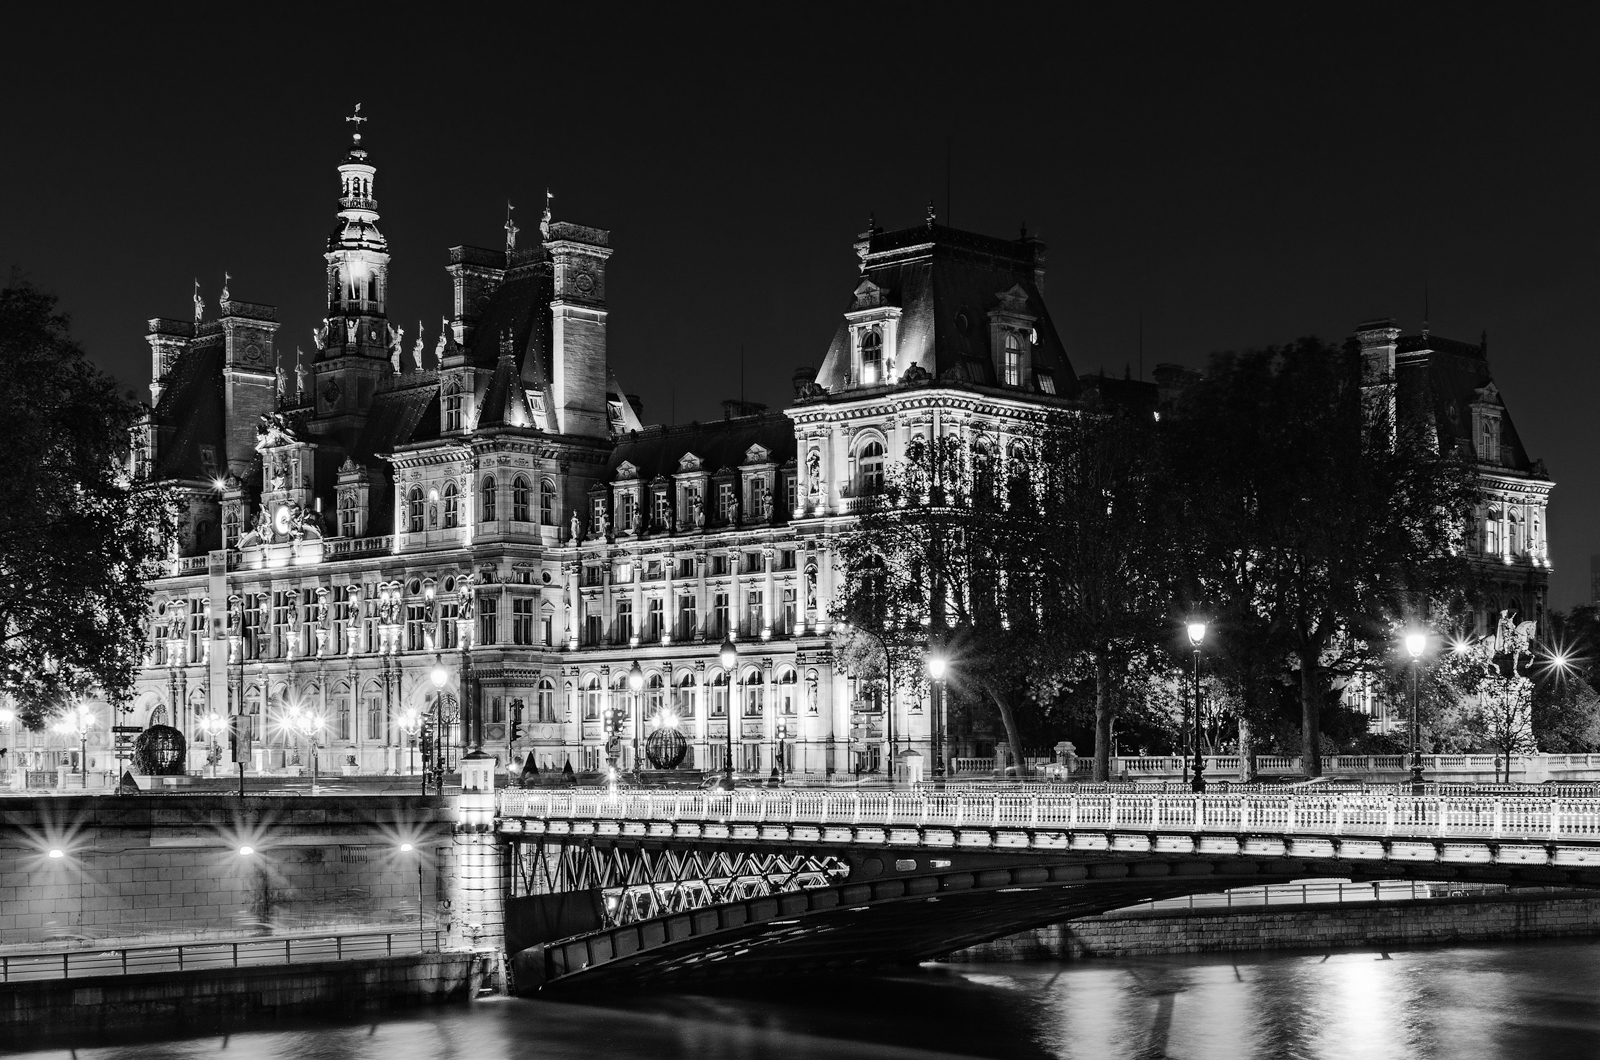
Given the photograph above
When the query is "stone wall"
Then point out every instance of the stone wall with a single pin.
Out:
(1364, 924)
(73, 1011)
(167, 867)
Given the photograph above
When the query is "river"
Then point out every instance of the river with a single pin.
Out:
(1537, 999)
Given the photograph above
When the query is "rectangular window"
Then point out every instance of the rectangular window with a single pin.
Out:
(725, 501)
(592, 574)
(497, 705)
(688, 620)
(755, 613)
(375, 719)
(593, 630)
(547, 623)
(786, 559)
(197, 629)
(343, 612)
(624, 573)
(663, 508)
(652, 571)
(547, 702)
(449, 628)
(415, 615)
(522, 620)
(719, 698)
(624, 621)
(282, 615)
(625, 512)
(791, 492)
(347, 515)
(254, 639)
(597, 514)
(653, 625)
(686, 568)
(488, 620)
(788, 611)
(719, 565)
(754, 563)
(720, 627)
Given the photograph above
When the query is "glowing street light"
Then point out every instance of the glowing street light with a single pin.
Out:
(1416, 643)
(1197, 634)
(246, 851)
(77, 722)
(635, 685)
(309, 724)
(57, 853)
(936, 670)
(410, 722)
(728, 655)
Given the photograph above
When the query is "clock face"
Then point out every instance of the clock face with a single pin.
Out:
(280, 519)
(584, 282)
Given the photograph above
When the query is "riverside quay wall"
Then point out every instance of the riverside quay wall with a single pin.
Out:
(75, 1011)
(1436, 921)
(178, 867)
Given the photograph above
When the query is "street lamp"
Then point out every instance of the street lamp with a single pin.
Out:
(635, 685)
(728, 654)
(1416, 643)
(7, 716)
(936, 669)
(77, 722)
(1197, 633)
(410, 848)
(411, 723)
(438, 677)
(307, 723)
(212, 725)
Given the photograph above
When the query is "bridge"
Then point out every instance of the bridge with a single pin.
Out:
(641, 887)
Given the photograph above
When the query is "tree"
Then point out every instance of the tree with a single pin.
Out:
(78, 539)
(1312, 517)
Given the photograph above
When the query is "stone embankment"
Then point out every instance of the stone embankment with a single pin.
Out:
(1437, 921)
(75, 1010)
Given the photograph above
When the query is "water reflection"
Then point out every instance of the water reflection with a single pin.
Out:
(1535, 999)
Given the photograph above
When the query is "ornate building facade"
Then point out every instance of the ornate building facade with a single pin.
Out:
(387, 533)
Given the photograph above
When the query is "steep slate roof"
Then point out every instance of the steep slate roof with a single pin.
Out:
(191, 406)
(719, 444)
(405, 409)
(938, 275)
(1440, 378)
(518, 310)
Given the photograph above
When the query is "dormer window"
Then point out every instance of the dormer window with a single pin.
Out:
(452, 406)
(1013, 360)
(871, 357)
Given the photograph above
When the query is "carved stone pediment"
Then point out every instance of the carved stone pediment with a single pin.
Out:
(1013, 299)
(868, 295)
(757, 454)
(627, 469)
(689, 462)
(1489, 395)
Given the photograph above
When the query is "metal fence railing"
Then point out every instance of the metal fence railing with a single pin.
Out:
(81, 963)
(1327, 814)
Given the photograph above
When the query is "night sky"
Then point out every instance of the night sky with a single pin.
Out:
(1232, 177)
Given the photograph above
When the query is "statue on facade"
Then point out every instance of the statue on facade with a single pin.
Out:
(420, 349)
(318, 338)
(199, 304)
(698, 512)
(300, 388)
(281, 381)
(600, 524)
(577, 529)
(320, 614)
(469, 599)
(811, 588)
(235, 615)
(814, 474)
(350, 332)
(397, 338)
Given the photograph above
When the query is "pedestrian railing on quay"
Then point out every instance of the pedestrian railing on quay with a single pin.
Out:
(1133, 766)
(1349, 814)
(82, 962)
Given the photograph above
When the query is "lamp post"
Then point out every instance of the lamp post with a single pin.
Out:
(1416, 644)
(307, 723)
(728, 655)
(213, 725)
(77, 722)
(438, 677)
(410, 724)
(1197, 633)
(936, 669)
(635, 686)
(410, 848)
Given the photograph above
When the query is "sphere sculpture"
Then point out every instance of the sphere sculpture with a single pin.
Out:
(160, 751)
(666, 748)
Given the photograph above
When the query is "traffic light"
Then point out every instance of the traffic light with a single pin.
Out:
(426, 739)
(516, 719)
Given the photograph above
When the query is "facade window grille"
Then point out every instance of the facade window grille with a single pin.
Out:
(452, 506)
(547, 503)
(522, 620)
(519, 500)
(486, 499)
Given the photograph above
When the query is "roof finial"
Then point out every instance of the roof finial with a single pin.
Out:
(930, 213)
(199, 303)
(358, 119)
(511, 232)
(226, 276)
(544, 222)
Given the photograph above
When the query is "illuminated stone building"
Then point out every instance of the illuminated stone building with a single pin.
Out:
(488, 510)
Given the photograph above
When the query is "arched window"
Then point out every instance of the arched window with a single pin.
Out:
(787, 689)
(341, 711)
(754, 693)
(547, 503)
(1013, 360)
(230, 527)
(486, 501)
(684, 700)
(519, 500)
(347, 513)
(718, 690)
(869, 468)
(451, 506)
(591, 698)
(871, 357)
(655, 696)
(547, 700)
(415, 507)
(452, 406)
(1021, 476)
(372, 288)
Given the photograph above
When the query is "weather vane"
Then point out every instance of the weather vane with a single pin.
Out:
(358, 119)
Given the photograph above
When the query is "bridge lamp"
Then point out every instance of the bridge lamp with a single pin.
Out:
(936, 667)
(936, 670)
(729, 656)
(635, 685)
(1416, 643)
(1197, 633)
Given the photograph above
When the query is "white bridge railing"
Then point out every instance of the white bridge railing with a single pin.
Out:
(1337, 815)
(1222, 766)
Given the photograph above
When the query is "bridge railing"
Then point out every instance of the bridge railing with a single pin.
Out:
(1353, 814)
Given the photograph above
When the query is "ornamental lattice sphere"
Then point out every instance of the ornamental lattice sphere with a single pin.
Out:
(159, 752)
(666, 748)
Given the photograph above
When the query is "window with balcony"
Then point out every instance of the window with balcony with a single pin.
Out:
(869, 468)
